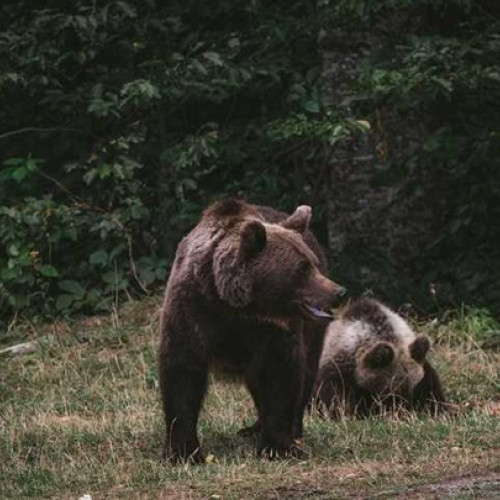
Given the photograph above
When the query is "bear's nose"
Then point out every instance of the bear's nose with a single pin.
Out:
(341, 291)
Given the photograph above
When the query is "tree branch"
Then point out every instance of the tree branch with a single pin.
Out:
(41, 130)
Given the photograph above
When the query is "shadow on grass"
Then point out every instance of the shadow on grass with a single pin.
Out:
(215, 444)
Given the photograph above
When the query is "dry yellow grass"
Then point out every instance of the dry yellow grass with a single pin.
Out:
(82, 415)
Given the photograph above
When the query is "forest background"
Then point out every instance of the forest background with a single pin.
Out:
(121, 120)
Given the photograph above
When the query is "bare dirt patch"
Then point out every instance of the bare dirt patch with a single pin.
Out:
(482, 486)
(465, 478)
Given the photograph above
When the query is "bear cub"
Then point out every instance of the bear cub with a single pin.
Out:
(373, 361)
(246, 293)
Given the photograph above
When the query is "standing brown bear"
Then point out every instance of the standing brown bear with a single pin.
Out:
(246, 292)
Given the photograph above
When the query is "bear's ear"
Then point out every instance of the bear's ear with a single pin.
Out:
(299, 220)
(253, 239)
(419, 348)
(379, 356)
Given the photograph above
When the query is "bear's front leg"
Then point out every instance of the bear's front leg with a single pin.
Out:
(279, 379)
(183, 382)
(312, 338)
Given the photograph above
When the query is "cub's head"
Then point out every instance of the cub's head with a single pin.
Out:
(269, 269)
(386, 370)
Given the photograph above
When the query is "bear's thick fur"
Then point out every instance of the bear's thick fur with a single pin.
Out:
(246, 293)
(371, 361)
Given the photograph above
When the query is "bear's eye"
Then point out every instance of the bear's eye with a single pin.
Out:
(303, 269)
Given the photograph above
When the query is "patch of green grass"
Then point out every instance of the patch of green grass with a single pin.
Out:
(467, 325)
(82, 415)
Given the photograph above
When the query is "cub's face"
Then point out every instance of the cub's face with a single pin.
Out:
(274, 271)
(384, 369)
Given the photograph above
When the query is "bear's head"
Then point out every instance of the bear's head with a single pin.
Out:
(269, 270)
(387, 371)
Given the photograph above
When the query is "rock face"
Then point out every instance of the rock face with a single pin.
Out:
(378, 225)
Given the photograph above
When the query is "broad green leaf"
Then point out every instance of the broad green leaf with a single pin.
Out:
(64, 301)
(49, 271)
(147, 276)
(20, 301)
(31, 164)
(13, 162)
(161, 273)
(92, 297)
(111, 277)
(213, 57)
(127, 8)
(9, 273)
(364, 124)
(99, 257)
(73, 287)
(19, 173)
(311, 106)
(446, 84)
(13, 250)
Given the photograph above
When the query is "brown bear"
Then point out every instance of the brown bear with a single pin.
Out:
(372, 361)
(244, 293)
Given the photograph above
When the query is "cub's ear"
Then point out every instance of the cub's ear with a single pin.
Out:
(419, 348)
(253, 239)
(299, 220)
(379, 356)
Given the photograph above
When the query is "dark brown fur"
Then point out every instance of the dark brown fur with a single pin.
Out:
(235, 298)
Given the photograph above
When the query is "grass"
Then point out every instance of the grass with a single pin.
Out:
(81, 415)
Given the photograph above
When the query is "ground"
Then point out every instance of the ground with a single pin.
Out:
(81, 415)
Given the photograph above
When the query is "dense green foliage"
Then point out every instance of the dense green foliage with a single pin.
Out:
(440, 70)
(120, 120)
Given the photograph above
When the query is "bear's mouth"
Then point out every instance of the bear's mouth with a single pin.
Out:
(314, 312)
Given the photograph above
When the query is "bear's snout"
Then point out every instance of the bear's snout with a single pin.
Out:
(329, 291)
(323, 295)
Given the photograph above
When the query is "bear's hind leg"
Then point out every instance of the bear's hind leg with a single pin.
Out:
(253, 386)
